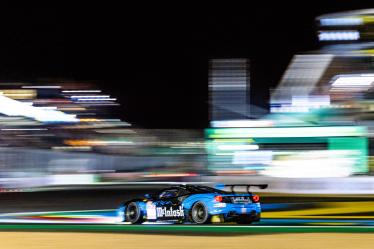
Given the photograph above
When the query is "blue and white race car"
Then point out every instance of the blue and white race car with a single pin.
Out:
(194, 203)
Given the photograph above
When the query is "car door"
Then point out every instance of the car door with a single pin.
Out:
(168, 205)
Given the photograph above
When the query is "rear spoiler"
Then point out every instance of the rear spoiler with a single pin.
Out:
(261, 186)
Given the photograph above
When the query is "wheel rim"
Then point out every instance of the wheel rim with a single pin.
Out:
(199, 213)
(132, 213)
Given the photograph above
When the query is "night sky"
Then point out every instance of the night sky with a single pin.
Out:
(155, 59)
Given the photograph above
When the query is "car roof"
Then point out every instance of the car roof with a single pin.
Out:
(194, 187)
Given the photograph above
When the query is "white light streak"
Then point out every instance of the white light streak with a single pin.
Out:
(98, 99)
(89, 96)
(238, 147)
(241, 123)
(42, 87)
(338, 35)
(81, 91)
(350, 81)
(11, 107)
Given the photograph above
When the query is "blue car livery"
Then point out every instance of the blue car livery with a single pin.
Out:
(194, 203)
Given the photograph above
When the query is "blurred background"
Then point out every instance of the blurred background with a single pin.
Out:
(315, 123)
(276, 96)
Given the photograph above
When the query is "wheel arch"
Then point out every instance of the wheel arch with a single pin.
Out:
(190, 201)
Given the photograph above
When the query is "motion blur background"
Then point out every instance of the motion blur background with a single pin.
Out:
(101, 104)
(100, 99)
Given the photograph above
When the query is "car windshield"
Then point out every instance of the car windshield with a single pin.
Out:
(169, 193)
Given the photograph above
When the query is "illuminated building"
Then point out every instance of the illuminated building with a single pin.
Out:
(229, 84)
(322, 97)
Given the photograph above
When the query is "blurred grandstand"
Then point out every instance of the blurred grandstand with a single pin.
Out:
(58, 134)
(320, 122)
(319, 129)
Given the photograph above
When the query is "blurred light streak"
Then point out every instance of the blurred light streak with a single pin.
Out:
(72, 108)
(89, 120)
(327, 167)
(353, 81)
(89, 96)
(338, 35)
(238, 147)
(169, 175)
(338, 131)
(348, 21)
(97, 99)
(81, 91)
(24, 129)
(95, 142)
(42, 87)
(241, 123)
(12, 107)
(116, 131)
(68, 148)
(18, 93)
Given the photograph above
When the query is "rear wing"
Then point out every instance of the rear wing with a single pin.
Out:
(232, 186)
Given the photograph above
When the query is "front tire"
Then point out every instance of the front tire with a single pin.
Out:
(199, 213)
(133, 213)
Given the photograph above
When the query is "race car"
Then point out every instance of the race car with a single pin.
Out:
(195, 204)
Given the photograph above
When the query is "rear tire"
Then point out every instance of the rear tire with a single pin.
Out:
(133, 213)
(199, 213)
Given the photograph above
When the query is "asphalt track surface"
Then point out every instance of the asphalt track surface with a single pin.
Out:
(94, 211)
(87, 219)
(110, 197)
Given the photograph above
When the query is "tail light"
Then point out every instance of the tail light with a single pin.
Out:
(218, 198)
(255, 198)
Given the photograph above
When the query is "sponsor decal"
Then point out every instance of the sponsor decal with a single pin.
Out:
(240, 199)
(221, 204)
(151, 210)
(170, 212)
